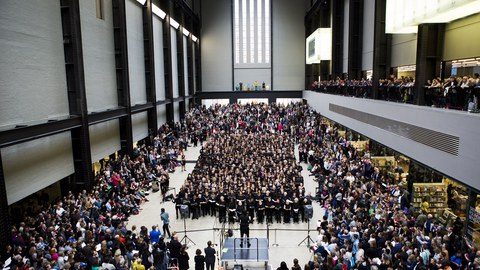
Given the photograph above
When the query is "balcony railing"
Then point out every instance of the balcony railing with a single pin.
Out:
(456, 98)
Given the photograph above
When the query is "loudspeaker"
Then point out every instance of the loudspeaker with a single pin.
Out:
(184, 212)
(308, 210)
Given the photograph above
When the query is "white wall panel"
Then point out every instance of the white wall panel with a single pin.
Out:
(346, 28)
(136, 61)
(367, 36)
(176, 112)
(404, 50)
(173, 46)
(98, 56)
(32, 63)
(161, 115)
(463, 167)
(139, 126)
(159, 58)
(216, 50)
(194, 69)
(288, 33)
(34, 165)
(185, 65)
(104, 139)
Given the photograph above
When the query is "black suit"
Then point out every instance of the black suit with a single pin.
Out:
(210, 257)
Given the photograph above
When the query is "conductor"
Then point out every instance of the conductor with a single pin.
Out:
(245, 228)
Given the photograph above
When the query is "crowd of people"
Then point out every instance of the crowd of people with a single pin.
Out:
(88, 230)
(248, 166)
(453, 92)
(369, 222)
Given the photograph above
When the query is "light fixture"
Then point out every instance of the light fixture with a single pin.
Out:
(467, 60)
(174, 23)
(185, 32)
(406, 68)
(404, 16)
(142, 2)
(159, 12)
(194, 38)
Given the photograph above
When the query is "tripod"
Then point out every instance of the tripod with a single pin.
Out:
(307, 239)
(185, 237)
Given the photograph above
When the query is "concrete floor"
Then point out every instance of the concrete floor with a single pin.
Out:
(208, 228)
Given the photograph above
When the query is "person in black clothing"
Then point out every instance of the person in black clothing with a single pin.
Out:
(245, 228)
(199, 260)
(158, 257)
(222, 210)
(178, 202)
(287, 209)
(210, 256)
(269, 209)
(174, 247)
(183, 258)
(260, 211)
(195, 207)
(232, 208)
(203, 204)
(295, 211)
(278, 210)
(251, 205)
(212, 205)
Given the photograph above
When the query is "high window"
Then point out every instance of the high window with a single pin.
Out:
(251, 32)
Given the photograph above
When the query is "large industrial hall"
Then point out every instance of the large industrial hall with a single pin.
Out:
(239, 135)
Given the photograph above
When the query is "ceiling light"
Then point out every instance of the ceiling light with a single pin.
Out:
(185, 32)
(142, 2)
(174, 23)
(159, 12)
(404, 16)
(194, 38)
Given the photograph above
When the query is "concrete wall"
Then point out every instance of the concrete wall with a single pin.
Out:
(139, 126)
(161, 115)
(32, 66)
(104, 139)
(176, 112)
(34, 165)
(216, 49)
(159, 58)
(287, 50)
(404, 50)
(463, 167)
(173, 46)
(288, 45)
(346, 28)
(462, 39)
(98, 57)
(368, 30)
(136, 61)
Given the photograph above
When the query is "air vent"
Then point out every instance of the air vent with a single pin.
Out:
(438, 140)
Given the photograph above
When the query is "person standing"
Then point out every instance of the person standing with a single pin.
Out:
(199, 260)
(166, 222)
(183, 259)
(210, 256)
(175, 247)
(245, 228)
